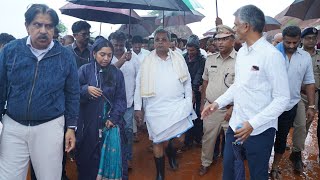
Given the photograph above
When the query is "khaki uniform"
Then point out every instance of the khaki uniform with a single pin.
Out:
(300, 124)
(220, 75)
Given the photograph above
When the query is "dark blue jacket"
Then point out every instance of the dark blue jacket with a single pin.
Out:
(90, 119)
(39, 91)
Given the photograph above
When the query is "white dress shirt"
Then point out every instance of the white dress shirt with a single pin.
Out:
(300, 72)
(39, 53)
(143, 53)
(260, 92)
(129, 70)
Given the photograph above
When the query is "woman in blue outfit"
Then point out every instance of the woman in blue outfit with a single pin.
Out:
(100, 81)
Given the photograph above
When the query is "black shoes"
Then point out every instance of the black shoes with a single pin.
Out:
(296, 159)
(160, 167)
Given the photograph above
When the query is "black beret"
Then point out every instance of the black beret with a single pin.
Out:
(308, 31)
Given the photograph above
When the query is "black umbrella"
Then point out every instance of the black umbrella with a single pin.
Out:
(170, 5)
(304, 9)
(100, 14)
(176, 18)
(271, 24)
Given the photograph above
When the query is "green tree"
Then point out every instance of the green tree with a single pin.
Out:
(62, 28)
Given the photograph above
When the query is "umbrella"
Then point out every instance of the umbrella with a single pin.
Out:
(144, 28)
(100, 14)
(210, 32)
(170, 5)
(271, 24)
(304, 9)
(135, 30)
(175, 18)
(192, 4)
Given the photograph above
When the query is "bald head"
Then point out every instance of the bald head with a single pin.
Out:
(277, 39)
(67, 39)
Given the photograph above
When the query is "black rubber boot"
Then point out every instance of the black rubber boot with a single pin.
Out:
(295, 158)
(160, 167)
(172, 153)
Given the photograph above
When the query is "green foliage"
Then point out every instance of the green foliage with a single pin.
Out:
(62, 28)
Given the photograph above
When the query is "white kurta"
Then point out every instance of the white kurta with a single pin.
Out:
(169, 113)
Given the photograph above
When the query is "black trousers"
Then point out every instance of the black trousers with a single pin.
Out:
(196, 132)
(285, 122)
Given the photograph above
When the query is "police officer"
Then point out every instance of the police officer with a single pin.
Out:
(217, 77)
(301, 124)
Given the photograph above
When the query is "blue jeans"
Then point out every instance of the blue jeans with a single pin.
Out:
(128, 129)
(258, 151)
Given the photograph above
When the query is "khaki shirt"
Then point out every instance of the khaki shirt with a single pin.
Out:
(219, 73)
(316, 67)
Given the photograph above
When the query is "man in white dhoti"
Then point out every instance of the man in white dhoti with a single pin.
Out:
(164, 86)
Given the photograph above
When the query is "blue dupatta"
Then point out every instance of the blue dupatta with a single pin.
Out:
(110, 166)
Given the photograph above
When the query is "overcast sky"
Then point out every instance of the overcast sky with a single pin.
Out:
(12, 14)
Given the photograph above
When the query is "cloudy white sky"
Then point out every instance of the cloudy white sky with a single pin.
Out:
(12, 14)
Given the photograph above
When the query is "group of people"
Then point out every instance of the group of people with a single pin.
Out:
(60, 96)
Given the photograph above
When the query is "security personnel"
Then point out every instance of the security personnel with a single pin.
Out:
(217, 77)
(301, 125)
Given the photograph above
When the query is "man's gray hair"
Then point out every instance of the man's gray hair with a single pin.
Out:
(163, 31)
(253, 16)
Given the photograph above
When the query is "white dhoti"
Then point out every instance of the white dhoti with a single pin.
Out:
(169, 113)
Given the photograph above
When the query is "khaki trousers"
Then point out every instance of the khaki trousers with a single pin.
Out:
(211, 130)
(42, 144)
(301, 124)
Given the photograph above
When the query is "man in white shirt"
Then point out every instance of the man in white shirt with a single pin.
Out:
(174, 43)
(260, 94)
(137, 43)
(137, 48)
(299, 68)
(129, 65)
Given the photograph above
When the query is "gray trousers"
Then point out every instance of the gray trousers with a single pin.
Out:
(301, 124)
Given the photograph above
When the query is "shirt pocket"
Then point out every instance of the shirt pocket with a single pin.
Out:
(212, 72)
(255, 81)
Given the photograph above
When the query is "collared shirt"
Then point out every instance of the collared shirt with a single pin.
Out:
(260, 92)
(81, 57)
(129, 70)
(143, 53)
(299, 72)
(39, 53)
(219, 73)
(316, 67)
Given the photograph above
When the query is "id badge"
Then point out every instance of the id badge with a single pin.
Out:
(100, 133)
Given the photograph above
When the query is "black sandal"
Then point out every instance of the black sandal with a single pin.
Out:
(275, 174)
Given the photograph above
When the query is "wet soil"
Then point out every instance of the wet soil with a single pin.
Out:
(189, 161)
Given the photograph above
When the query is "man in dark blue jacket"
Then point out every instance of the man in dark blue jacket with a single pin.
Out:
(39, 81)
(196, 62)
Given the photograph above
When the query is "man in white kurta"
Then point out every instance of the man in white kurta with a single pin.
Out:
(163, 85)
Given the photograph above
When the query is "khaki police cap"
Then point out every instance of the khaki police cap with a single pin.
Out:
(224, 31)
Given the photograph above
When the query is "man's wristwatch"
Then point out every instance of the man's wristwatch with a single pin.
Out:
(312, 107)
(72, 127)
